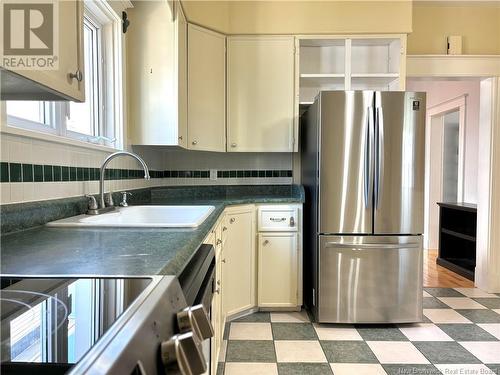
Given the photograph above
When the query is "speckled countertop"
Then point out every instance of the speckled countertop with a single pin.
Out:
(123, 251)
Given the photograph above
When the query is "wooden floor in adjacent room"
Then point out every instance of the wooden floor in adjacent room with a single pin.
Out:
(439, 277)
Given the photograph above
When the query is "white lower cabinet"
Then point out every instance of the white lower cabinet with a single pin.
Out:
(236, 271)
(217, 317)
(278, 270)
(239, 263)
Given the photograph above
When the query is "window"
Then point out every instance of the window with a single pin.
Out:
(96, 120)
(84, 117)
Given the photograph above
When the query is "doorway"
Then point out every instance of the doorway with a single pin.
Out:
(452, 129)
(451, 146)
(445, 150)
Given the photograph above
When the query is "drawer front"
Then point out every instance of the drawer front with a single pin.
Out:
(274, 219)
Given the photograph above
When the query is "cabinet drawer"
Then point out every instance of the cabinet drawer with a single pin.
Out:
(275, 218)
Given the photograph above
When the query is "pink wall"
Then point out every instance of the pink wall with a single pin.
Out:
(441, 91)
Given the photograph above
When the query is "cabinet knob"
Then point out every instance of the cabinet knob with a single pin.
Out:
(218, 242)
(232, 220)
(180, 137)
(78, 75)
(223, 260)
(224, 229)
(292, 221)
(218, 282)
(217, 290)
(184, 350)
(194, 143)
(266, 242)
(233, 145)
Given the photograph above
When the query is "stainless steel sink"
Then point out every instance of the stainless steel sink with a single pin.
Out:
(142, 216)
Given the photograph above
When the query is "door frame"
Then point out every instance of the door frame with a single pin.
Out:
(438, 112)
(486, 67)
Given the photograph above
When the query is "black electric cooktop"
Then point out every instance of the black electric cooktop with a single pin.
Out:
(57, 320)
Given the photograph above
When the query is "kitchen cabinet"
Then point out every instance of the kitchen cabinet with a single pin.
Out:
(157, 74)
(278, 270)
(217, 317)
(354, 62)
(64, 83)
(239, 261)
(206, 89)
(279, 256)
(260, 94)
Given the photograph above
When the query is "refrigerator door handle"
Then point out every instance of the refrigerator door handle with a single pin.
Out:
(362, 246)
(367, 165)
(379, 154)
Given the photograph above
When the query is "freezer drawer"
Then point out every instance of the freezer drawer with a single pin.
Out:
(370, 279)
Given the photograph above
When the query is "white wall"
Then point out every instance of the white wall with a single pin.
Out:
(182, 159)
(443, 90)
(26, 150)
(487, 274)
(18, 149)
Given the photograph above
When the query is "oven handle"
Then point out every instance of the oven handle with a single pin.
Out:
(205, 295)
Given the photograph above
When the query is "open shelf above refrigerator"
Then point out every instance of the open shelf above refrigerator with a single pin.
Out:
(349, 63)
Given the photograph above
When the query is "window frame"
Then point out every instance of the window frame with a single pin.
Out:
(98, 77)
(109, 79)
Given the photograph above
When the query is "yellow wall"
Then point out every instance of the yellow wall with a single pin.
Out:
(478, 24)
(311, 17)
(301, 17)
(212, 14)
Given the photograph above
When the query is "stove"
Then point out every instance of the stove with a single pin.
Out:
(123, 325)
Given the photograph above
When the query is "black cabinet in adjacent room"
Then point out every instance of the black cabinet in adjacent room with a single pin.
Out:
(457, 238)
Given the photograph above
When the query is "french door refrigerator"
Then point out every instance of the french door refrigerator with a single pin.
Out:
(363, 173)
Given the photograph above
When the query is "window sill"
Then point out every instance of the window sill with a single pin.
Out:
(55, 139)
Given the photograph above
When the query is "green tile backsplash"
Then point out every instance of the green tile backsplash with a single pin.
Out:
(28, 172)
(38, 173)
(48, 173)
(4, 167)
(16, 172)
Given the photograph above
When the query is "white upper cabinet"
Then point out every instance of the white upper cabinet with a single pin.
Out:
(206, 90)
(157, 73)
(375, 62)
(64, 83)
(260, 94)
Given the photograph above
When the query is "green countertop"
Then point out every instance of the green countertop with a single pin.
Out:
(124, 251)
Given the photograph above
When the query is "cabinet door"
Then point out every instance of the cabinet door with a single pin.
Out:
(180, 76)
(157, 74)
(260, 115)
(278, 271)
(206, 89)
(238, 267)
(70, 59)
(216, 315)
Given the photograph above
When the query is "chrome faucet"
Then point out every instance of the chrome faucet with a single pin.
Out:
(103, 168)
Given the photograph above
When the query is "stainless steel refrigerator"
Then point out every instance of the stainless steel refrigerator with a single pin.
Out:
(363, 173)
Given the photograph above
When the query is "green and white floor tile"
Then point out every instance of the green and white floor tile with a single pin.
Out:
(460, 335)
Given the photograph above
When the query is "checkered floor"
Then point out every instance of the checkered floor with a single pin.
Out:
(460, 335)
